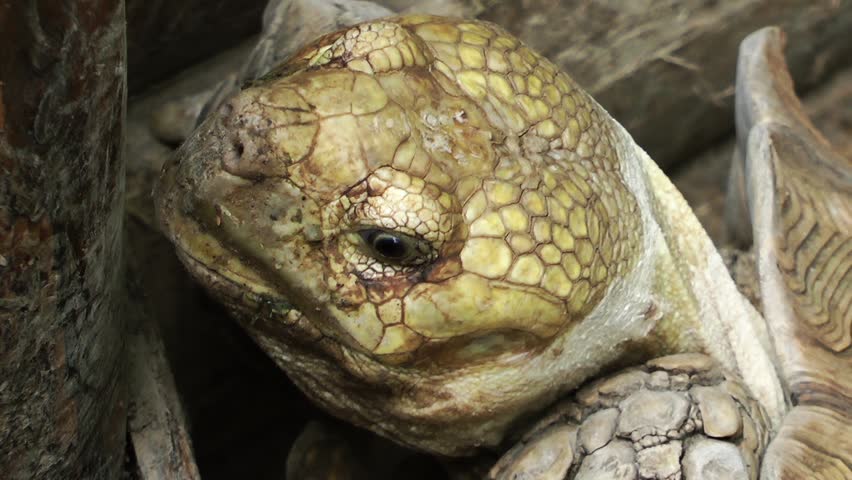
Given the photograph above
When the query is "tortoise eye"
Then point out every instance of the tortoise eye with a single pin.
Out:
(388, 245)
(394, 247)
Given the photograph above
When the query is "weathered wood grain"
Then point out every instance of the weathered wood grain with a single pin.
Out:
(62, 105)
(157, 425)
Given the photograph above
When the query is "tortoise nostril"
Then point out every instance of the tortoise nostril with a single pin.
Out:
(227, 109)
(233, 156)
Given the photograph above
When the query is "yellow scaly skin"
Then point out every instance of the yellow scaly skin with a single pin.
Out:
(536, 244)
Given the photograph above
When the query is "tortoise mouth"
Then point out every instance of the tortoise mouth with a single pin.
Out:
(230, 287)
(503, 346)
(249, 296)
(250, 289)
(347, 381)
(207, 259)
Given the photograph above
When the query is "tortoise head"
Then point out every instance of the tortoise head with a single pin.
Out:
(411, 217)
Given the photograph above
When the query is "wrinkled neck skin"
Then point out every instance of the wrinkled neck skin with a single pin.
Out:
(701, 307)
(678, 298)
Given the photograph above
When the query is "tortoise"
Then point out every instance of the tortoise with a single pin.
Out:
(442, 238)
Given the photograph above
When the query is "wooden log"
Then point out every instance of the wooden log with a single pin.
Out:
(158, 427)
(62, 104)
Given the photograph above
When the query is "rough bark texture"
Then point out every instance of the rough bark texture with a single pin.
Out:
(62, 98)
(665, 68)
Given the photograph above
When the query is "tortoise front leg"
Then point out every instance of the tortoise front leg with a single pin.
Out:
(673, 417)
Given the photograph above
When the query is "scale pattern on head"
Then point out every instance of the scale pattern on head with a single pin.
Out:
(459, 197)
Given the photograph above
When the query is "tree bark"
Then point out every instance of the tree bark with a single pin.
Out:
(62, 105)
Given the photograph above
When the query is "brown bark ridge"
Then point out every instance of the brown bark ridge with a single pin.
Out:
(62, 105)
(665, 68)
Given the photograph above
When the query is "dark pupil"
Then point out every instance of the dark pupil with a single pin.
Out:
(389, 246)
